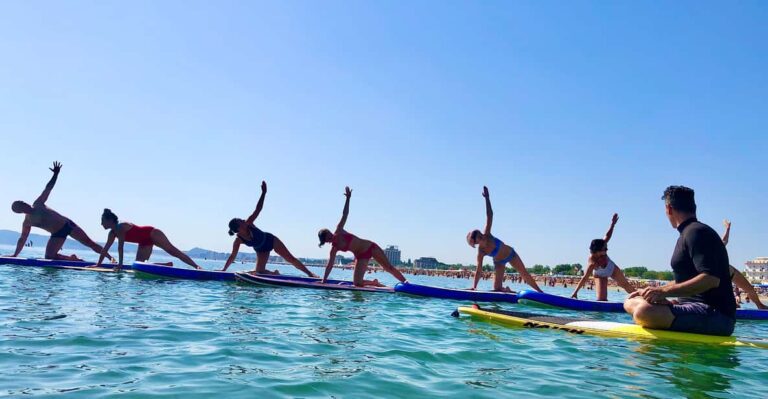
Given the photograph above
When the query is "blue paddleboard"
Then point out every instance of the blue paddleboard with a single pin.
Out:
(279, 281)
(182, 273)
(456, 294)
(569, 303)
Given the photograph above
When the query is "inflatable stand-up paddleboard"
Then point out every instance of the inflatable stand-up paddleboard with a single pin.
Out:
(751, 314)
(527, 296)
(202, 275)
(600, 328)
(60, 264)
(338, 285)
(530, 296)
(456, 294)
(182, 272)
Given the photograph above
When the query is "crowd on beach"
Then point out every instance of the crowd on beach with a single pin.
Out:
(702, 299)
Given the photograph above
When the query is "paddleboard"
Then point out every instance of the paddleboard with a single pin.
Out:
(456, 294)
(182, 272)
(751, 314)
(530, 296)
(60, 264)
(569, 303)
(339, 285)
(600, 328)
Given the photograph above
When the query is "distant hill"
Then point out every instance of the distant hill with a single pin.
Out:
(202, 253)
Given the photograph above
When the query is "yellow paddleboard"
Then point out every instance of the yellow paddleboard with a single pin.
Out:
(600, 328)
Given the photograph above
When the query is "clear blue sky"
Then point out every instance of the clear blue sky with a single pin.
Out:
(171, 113)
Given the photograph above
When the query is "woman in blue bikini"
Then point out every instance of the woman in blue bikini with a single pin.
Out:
(488, 245)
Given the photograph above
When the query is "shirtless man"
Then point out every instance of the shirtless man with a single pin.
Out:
(41, 216)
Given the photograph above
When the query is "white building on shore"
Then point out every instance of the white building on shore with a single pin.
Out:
(757, 270)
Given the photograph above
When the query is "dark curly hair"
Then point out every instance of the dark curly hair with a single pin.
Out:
(109, 215)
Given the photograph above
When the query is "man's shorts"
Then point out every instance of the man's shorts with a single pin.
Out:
(699, 318)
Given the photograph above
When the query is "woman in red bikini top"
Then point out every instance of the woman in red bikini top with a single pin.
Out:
(146, 236)
(364, 250)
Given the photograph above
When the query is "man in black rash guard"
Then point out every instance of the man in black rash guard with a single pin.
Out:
(705, 303)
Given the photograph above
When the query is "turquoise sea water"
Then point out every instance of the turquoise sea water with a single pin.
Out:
(90, 335)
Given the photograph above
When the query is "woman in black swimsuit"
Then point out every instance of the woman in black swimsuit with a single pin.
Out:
(263, 243)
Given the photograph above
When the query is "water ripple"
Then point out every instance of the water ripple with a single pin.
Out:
(96, 335)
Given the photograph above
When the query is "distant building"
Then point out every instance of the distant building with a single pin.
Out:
(757, 270)
(425, 263)
(393, 255)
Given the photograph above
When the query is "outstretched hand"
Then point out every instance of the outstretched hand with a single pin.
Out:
(485, 192)
(347, 192)
(615, 218)
(727, 223)
(263, 186)
(56, 167)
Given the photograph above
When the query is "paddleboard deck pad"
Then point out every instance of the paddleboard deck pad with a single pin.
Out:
(281, 281)
(528, 296)
(599, 328)
(456, 294)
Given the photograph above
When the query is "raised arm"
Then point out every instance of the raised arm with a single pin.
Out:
(488, 212)
(25, 229)
(609, 233)
(233, 255)
(331, 260)
(259, 205)
(48, 187)
(727, 234)
(345, 212)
